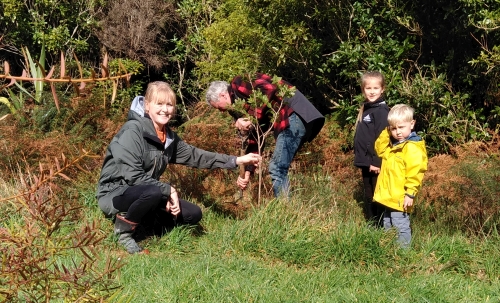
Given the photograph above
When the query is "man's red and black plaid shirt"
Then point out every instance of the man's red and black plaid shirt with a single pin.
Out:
(243, 89)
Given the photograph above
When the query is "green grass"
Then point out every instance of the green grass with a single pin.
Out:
(302, 251)
(232, 263)
(313, 248)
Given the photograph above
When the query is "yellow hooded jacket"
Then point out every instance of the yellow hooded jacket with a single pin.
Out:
(402, 171)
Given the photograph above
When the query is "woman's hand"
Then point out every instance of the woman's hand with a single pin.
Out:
(249, 159)
(173, 205)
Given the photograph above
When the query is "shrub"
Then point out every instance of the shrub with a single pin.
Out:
(46, 255)
(461, 193)
(138, 29)
(444, 118)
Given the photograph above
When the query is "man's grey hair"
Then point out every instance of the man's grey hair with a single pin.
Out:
(215, 89)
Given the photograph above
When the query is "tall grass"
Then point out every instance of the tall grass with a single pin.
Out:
(310, 249)
(272, 257)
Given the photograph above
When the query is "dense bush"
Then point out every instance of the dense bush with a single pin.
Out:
(449, 47)
(391, 36)
(59, 25)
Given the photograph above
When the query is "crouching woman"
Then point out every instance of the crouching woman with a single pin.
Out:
(129, 188)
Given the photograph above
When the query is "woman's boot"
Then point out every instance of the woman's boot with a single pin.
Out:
(124, 230)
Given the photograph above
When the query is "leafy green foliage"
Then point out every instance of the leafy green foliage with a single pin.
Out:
(184, 48)
(444, 118)
(124, 92)
(59, 25)
(322, 47)
(379, 42)
(234, 45)
(485, 17)
(325, 57)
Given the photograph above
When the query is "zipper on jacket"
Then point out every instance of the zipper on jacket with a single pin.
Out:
(163, 155)
(153, 170)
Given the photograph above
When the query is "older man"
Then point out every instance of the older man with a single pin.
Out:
(298, 122)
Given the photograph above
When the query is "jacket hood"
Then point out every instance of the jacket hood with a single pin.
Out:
(137, 106)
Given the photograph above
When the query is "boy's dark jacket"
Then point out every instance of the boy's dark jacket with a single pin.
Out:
(373, 121)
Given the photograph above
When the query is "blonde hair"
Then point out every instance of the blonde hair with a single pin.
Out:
(366, 75)
(160, 92)
(400, 113)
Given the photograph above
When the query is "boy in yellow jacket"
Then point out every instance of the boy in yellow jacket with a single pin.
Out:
(404, 161)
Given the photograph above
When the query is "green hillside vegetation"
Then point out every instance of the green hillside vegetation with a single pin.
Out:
(441, 57)
(314, 248)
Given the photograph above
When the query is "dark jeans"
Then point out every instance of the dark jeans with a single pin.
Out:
(140, 202)
(287, 144)
(373, 211)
